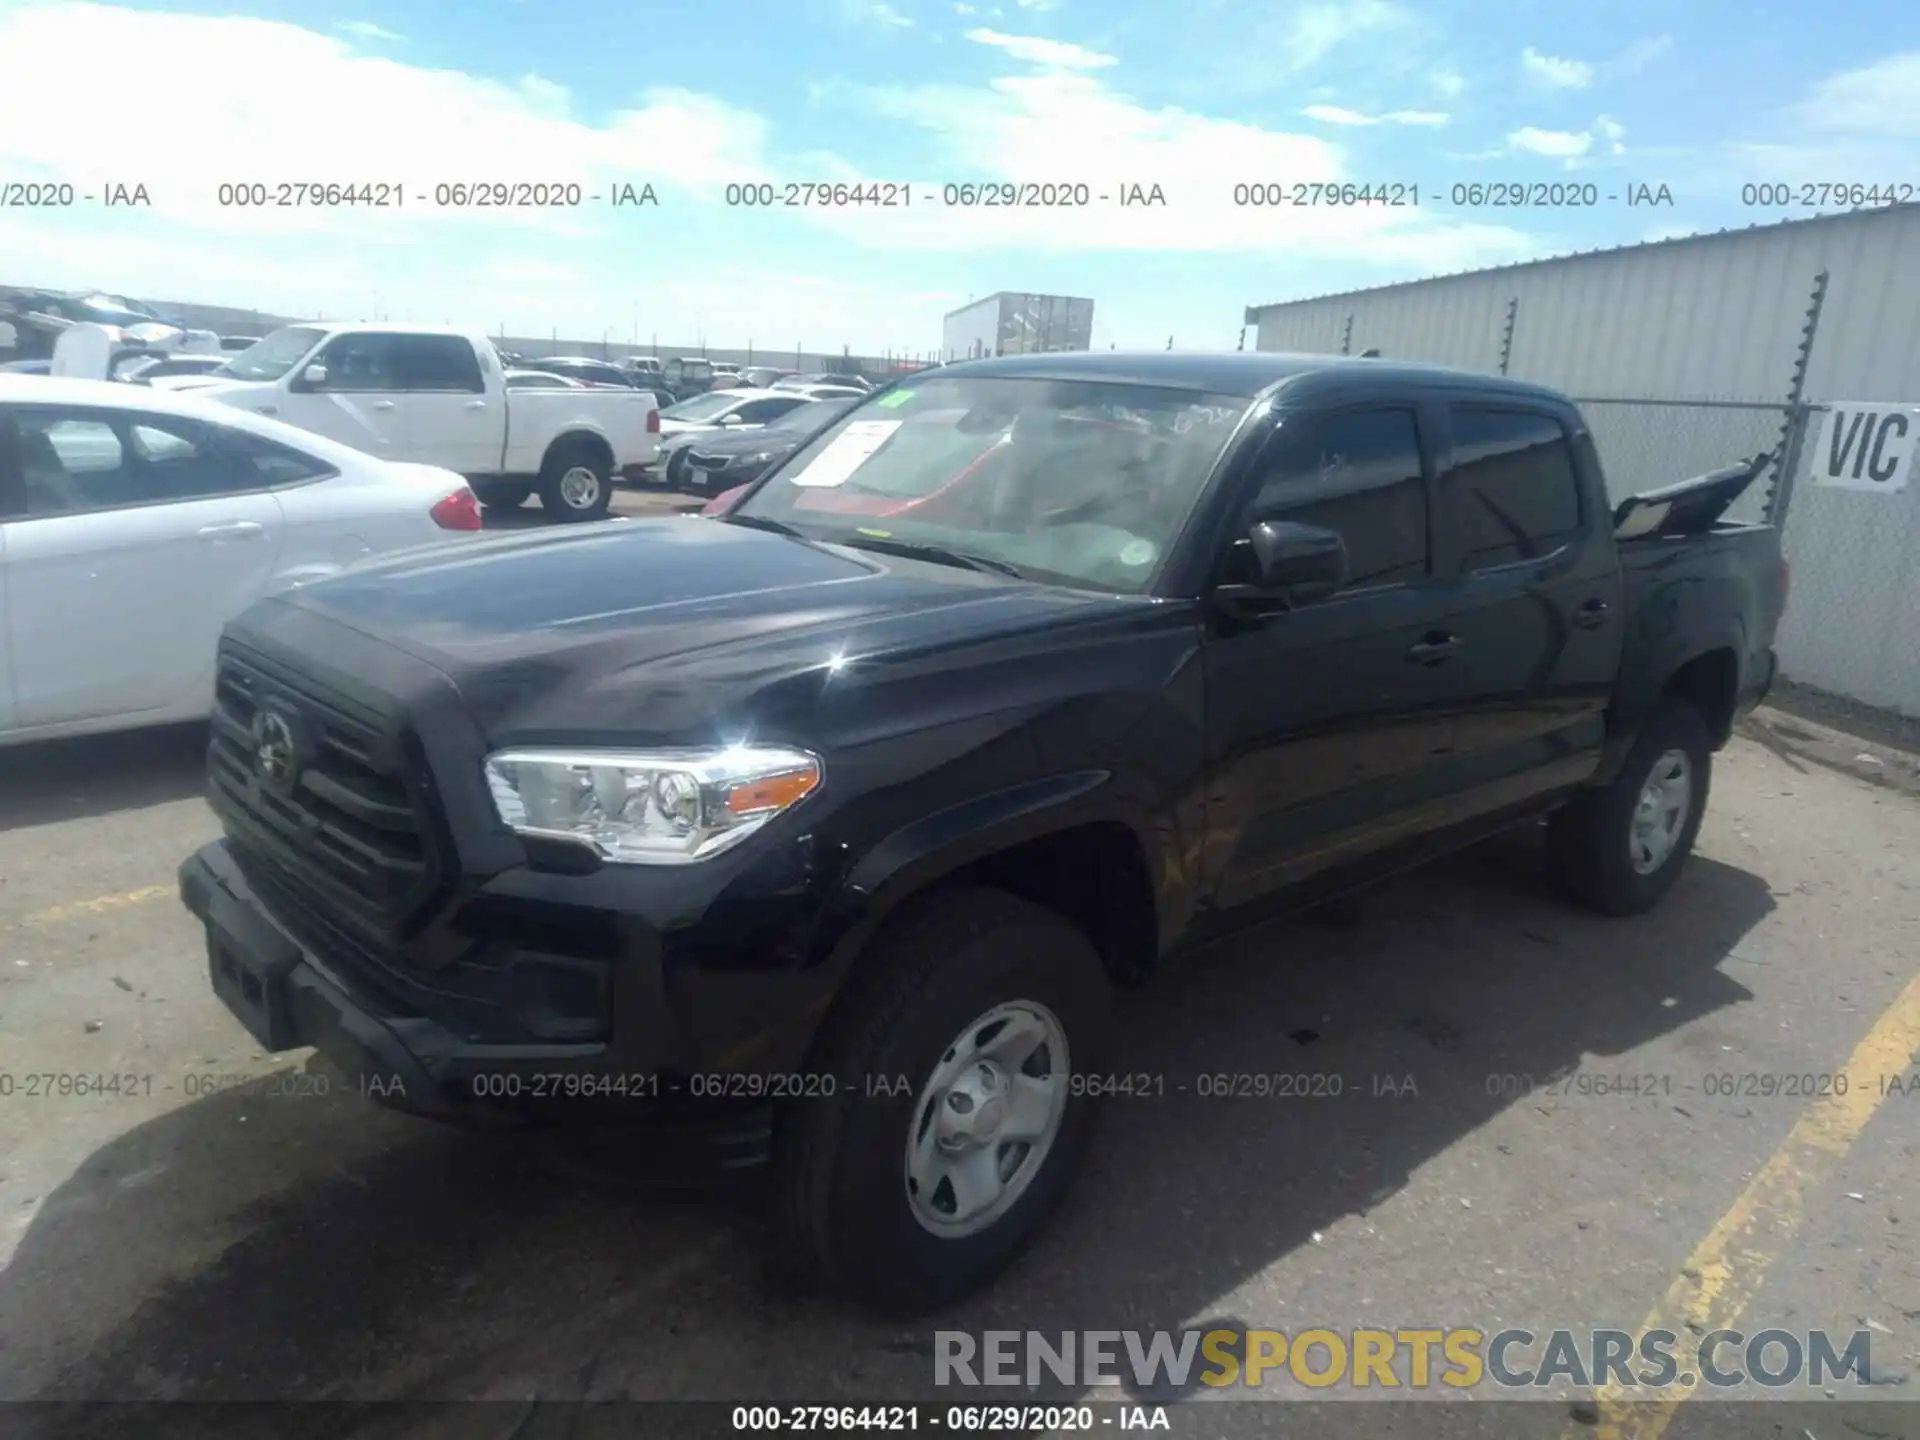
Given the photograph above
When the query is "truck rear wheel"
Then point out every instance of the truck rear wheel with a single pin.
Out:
(953, 1128)
(1620, 848)
(576, 483)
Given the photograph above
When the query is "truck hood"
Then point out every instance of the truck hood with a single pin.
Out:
(676, 630)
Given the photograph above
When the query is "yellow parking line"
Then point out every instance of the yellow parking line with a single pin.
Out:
(100, 905)
(1725, 1270)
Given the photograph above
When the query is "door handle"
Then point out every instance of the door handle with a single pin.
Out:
(234, 530)
(266, 409)
(1592, 615)
(383, 405)
(1436, 649)
(476, 404)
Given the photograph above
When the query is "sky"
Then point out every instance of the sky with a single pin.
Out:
(1214, 102)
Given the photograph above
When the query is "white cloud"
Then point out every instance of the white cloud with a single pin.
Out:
(1605, 136)
(1556, 144)
(1340, 115)
(410, 125)
(1317, 29)
(1881, 99)
(962, 8)
(873, 12)
(1449, 83)
(367, 30)
(1554, 72)
(1036, 4)
(1055, 54)
(1071, 127)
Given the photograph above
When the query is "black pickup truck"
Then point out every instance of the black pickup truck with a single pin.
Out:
(825, 829)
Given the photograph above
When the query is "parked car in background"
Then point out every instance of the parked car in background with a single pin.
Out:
(588, 371)
(710, 462)
(134, 524)
(145, 369)
(647, 366)
(764, 377)
(725, 410)
(726, 368)
(687, 376)
(830, 392)
(803, 382)
(238, 342)
(438, 396)
(542, 380)
(1148, 650)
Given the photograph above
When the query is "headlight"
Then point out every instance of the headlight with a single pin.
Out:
(649, 807)
(740, 462)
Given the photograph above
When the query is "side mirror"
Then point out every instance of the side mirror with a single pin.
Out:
(1294, 565)
(731, 420)
(314, 375)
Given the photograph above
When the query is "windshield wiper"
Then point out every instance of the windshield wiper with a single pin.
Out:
(761, 522)
(938, 554)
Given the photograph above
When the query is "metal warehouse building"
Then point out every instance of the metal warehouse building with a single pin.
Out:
(1690, 353)
(1010, 323)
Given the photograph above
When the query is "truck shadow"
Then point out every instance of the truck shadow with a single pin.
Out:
(48, 781)
(347, 1253)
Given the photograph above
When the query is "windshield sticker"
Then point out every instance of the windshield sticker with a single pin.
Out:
(895, 400)
(847, 452)
(1136, 553)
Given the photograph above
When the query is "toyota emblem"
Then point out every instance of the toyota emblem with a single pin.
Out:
(274, 753)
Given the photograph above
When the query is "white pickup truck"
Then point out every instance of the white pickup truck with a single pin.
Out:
(438, 396)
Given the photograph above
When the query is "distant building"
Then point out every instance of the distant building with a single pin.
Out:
(1010, 323)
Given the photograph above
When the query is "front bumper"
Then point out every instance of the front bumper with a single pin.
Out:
(289, 996)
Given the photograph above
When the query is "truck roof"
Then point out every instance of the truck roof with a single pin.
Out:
(1232, 372)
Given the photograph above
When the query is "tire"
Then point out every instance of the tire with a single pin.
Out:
(502, 496)
(845, 1220)
(1593, 852)
(576, 483)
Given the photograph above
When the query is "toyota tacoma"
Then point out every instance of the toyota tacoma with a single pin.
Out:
(824, 830)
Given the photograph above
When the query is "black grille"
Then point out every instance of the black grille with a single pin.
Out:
(351, 826)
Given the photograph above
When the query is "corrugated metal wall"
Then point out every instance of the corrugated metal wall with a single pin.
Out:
(1715, 318)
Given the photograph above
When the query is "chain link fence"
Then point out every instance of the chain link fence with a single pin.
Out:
(1645, 444)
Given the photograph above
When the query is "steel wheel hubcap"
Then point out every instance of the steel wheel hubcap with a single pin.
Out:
(580, 487)
(1661, 813)
(986, 1119)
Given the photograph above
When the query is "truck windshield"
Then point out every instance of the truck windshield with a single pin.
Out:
(274, 356)
(1082, 483)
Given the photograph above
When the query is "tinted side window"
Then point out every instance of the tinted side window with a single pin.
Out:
(759, 412)
(273, 464)
(1357, 474)
(1512, 486)
(438, 362)
(103, 460)
(361, 362)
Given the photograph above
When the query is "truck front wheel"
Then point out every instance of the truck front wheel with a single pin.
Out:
(953, 1126)
(576, 483)
(1619, 848)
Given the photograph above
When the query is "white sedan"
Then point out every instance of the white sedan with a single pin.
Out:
(134, 523)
